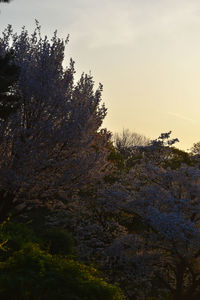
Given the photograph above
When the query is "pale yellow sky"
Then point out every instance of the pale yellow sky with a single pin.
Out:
(146, 53)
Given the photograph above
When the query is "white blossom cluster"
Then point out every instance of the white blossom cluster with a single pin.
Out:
(144, 231)
(53, 143)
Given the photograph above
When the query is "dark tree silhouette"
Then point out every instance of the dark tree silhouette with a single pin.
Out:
(9, 98)
(55, 132)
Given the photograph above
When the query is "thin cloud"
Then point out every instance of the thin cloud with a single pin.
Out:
(179, 116)
(123, 22)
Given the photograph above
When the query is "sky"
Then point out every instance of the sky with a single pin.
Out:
(146, 53)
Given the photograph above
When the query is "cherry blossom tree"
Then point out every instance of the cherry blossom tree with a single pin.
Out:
(160, 209)
(53, 144)
(144, 230)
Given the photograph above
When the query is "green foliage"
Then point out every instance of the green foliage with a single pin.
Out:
(58, 241)
(117, 158)
(177, 158)
(16, 236)
(29, 273)
(122, 163)
(195, 150)
(35, 219)
(119, 166)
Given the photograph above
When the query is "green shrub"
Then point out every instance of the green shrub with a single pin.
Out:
(58, 241)
(13, 236)
(28, 272)
(33, 274)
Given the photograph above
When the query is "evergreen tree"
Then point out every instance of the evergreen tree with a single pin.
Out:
(9, 98)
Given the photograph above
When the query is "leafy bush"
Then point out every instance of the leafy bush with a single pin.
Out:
(13, 236)
(29, 273)
(58, 241)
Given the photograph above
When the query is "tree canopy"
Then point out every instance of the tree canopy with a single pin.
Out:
(53, 142)
(130, 207)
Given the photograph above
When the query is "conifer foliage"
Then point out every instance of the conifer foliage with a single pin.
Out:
(9, 98)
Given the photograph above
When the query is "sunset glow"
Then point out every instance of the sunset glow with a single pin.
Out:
(145, 53)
